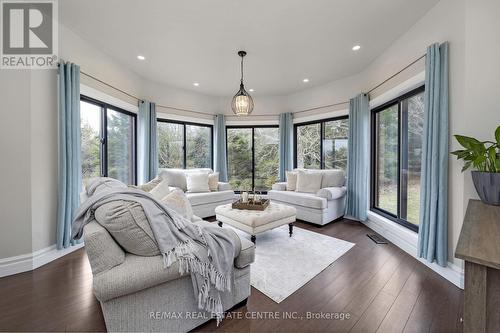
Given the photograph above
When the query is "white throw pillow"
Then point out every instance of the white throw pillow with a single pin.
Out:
(308, 182)
(175, 178)
(291, 180)
(197, 182)
(160, 190)
(213, 181)
(333, 178)
(178, 201)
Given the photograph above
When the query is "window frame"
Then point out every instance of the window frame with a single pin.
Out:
(252, 127)
(402, 191)
(184, 139)
(103, 140)
(321, 123)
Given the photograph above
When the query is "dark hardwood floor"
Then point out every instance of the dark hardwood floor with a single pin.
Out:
(381, 288)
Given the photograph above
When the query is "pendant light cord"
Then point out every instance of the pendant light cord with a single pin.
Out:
(241, 70)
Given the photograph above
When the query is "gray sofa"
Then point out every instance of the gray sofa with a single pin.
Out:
(138, 294)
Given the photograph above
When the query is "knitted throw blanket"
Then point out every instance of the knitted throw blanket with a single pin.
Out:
(178, 239)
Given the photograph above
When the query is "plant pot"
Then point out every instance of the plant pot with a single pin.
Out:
(487, 186)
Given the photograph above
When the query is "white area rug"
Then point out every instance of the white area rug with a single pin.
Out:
(283, 264)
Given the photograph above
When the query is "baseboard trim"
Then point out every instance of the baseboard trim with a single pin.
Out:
(30, 261)
(407, 241)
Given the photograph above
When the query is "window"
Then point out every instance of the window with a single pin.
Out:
(108, 143)
(322, 144)
(397, 129)
(252, 157)
(184, 145)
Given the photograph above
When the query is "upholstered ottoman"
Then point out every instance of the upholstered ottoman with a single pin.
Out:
(255, 222)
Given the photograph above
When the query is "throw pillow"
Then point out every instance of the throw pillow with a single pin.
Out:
(308, 182)
(160, 190)
(129, 226)
(333, 178)
(291, 180)
(197, 182)
(178, 201)
(175, 178)
(149, 185)
(213, 181)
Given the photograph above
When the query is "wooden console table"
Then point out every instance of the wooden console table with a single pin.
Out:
(479, 246)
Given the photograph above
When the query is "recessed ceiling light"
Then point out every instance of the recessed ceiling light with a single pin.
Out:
(251, 90)
(141, 57)
(196, 84)
(356, 47)
(305, 80)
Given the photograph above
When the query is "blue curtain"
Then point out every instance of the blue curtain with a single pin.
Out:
(286, 144)
(69, 159)
(433, 228)
(147, 145)
(220, 164)
(358, 158)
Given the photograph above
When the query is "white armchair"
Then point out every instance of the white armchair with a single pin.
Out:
(322, 207)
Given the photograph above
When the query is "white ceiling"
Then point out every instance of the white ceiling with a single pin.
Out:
(186, 41)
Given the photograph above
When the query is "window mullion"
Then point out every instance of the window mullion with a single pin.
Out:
(404, 161)
(104, 141)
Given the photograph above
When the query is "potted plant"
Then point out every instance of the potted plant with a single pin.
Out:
(484, 156)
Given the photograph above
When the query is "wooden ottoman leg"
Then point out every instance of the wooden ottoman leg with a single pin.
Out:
(252, 239)
(290, 228)
(220, 224)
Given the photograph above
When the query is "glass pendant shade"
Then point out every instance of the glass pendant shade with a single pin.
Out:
(242, 103)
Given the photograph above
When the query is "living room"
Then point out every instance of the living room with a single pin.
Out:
(250, 166)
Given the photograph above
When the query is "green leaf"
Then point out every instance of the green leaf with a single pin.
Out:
(466, 166)
(497, 135)
(467, 141)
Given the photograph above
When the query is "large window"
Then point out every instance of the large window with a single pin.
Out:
(184, 145)
(252, 157)
(396, 156)
(108, 143)
(322, 144)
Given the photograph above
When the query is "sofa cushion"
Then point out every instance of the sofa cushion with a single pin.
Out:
(197, 182)
(160, 190)
(129, 226)
(210, 197)
(149, 185)
(332, 193)
(333, 178)
(178, 201)
(213, 181)
(247, 254)
(175, 178)
(308, 182)
(301, 199)
(291, 180)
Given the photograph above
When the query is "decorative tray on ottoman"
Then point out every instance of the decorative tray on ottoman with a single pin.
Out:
(251, 205)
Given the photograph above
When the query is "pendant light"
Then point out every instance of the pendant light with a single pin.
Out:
(242, 103)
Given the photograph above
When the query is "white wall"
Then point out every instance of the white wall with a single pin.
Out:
(15, 197)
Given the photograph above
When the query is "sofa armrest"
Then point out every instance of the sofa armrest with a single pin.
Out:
(332, 193)
(134, 274)
(102, 250)
(279, 186)
(224, 186)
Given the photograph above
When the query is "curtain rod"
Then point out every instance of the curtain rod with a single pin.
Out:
(301, 111)
(369, 91)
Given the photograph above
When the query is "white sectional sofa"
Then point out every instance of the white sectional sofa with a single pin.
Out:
(203, 203)
(318, 207)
